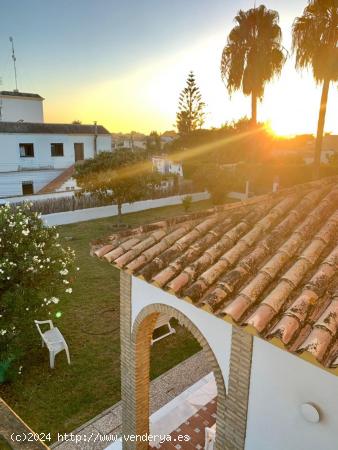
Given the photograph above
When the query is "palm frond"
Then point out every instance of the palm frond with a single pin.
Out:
(315, 37)
(254, 53)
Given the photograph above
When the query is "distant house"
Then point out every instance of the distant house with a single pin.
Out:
(34, 154)
(133, 141)
(305, 149)
(164, 165)
(138, 141)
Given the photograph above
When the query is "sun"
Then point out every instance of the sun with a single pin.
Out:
(281, 127)
(269, 128)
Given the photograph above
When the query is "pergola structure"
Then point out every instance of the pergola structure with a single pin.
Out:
(241, 277)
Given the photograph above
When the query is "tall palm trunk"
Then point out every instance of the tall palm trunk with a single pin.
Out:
(320, 127)
(254, 108)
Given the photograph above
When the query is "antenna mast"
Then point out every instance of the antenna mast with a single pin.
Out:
(14, 63)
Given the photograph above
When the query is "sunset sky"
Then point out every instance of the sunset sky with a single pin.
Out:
(124, 62)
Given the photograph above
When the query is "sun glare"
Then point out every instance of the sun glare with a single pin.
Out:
(281, 129)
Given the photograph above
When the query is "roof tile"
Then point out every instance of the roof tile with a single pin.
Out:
(114, 253)
(269, 264)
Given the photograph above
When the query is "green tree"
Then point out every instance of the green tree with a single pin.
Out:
(314, 41)
(153, 143)
(217, 181)
(120, 177)
(190, 115)
(253, 54)
(35, 273)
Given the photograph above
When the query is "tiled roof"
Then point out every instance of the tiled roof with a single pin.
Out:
(269, 265)
(51, 128)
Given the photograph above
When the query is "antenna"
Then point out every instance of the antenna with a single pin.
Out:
(14, 63)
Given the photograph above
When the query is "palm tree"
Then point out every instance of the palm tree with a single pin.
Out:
(253, 54)
(314, 40)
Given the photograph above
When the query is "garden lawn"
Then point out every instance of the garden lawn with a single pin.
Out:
(60, 400)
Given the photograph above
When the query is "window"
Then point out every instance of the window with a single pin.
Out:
(56, 149)
(27, 188)
(26, 150)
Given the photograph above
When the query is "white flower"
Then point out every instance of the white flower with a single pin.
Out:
(55, 300)
(65, 281)
(69, 290)
(64, 272)
(25, 232)
(2, 332)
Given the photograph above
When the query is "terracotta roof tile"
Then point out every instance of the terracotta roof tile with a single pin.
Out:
(317, 343)
(258, 284)
(269, 264)
(121, 249)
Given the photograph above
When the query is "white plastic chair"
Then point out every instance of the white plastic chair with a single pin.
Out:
(210, 437)
(53, 339)
(163, 320)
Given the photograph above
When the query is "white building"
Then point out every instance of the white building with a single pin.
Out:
(164, 165)
(34, 153)
(19, 106)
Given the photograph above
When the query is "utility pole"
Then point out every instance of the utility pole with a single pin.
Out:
(14, 63)
(95, 138)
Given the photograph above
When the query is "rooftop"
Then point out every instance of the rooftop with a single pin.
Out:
(50, 128)
(20, 94)
(268, 265)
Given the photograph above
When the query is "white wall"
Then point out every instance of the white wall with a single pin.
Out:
(10, 159)
(36, 197)
(280, 383)
(14, 109)
(216, 331)
(11, 183)
(82, 215)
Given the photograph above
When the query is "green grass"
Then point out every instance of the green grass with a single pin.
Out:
(62, 399)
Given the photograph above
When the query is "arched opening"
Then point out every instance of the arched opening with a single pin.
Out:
(142, 331)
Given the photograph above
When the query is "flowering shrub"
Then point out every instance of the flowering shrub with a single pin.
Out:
(35, 274)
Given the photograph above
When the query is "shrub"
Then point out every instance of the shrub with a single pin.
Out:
(186, 202)
(219, 182)
(35, 273)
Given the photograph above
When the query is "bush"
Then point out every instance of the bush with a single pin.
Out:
(218, 182)
(186, 202)
(35, 273)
